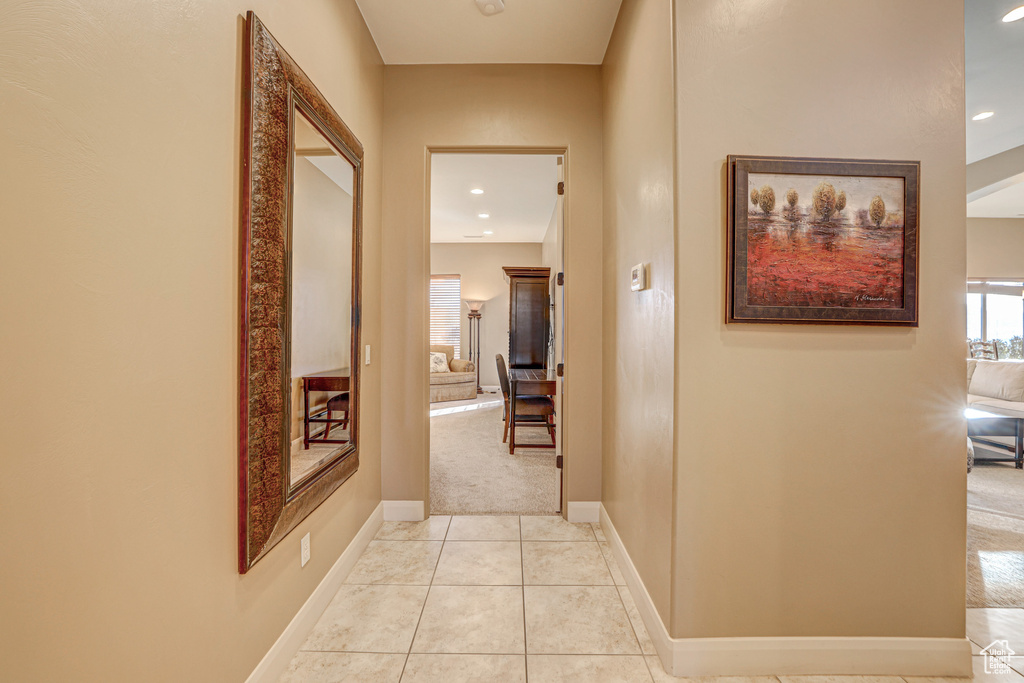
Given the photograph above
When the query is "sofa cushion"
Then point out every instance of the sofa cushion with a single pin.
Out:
(1001, 379)
(971, 366)
(999, 407)
(452, 377)
(438, 362)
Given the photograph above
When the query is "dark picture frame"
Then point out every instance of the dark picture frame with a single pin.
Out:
(822, 241)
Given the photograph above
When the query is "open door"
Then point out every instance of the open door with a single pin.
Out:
(558, 327)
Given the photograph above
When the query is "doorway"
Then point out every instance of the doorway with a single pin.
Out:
(492, 213)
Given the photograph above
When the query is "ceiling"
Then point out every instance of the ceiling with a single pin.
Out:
(519, 195)
(577, 32)
(456, 32)
(994, 54)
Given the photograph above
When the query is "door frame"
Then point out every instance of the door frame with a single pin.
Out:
(562, 398)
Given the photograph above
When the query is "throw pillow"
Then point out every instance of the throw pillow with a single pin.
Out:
(438, 361)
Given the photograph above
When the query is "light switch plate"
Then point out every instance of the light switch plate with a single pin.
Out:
(638, 277)
(305, 549)
(367, 354)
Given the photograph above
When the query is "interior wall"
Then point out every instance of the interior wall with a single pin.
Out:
(121, 148)
(497, 106)
(994, 246)
(549, 245)
(820, 481)
(639, 331)
(484, 280)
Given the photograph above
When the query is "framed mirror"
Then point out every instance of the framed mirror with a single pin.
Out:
(301, 251)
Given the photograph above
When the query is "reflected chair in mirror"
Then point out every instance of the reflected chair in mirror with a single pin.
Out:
(531, 411)
(985, 350)
(335, 404)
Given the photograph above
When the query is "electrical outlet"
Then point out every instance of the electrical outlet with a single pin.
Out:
(367, 354)
(305, 549)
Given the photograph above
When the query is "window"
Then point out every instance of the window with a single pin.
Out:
(445, 310)
(995, 312)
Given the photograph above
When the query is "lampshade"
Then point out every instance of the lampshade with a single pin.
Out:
(474, 306)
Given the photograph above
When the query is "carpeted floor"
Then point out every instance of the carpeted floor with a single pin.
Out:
(472, 473)
(995, 536)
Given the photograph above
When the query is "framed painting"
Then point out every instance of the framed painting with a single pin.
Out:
(826, 241)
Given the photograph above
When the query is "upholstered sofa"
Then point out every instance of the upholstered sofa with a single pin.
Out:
(996, 386)
(459, 383)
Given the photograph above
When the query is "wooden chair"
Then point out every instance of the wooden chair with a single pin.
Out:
(339, 404)
(531, 411)
(986, 350)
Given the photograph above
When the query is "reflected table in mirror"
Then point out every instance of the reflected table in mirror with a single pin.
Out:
(330, 380)
(333, 414)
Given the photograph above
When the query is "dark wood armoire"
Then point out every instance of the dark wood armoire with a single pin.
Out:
(529, 316)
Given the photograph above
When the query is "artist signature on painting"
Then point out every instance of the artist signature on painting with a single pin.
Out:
(865, 297)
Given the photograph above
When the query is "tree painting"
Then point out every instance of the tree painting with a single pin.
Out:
(842, 248)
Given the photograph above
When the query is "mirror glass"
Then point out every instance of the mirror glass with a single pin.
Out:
(321, 257)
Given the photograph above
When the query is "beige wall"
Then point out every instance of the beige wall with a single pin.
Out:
(820, 480)
(530, 106)
(120, 184)
(994, 248)
(639, 360)
(484, 280)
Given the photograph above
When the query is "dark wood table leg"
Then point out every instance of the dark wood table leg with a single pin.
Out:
(1018, 446)
(512, 419)
(305, 417)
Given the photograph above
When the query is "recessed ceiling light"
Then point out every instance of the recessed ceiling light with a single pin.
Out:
(476, 190)
(983, 115)
(488, 232)
(1014, 15)
(483, 215)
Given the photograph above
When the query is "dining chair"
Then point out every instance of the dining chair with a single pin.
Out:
(338, 403)
(531, 411)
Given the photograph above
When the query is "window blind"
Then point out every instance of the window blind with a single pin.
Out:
(445, 310)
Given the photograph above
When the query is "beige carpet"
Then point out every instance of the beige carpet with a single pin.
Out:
(472, 473)
(995, 536)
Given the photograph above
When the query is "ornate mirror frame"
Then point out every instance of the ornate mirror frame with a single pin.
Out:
(273, 86)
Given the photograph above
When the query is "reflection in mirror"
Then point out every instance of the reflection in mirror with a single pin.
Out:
(321, 301)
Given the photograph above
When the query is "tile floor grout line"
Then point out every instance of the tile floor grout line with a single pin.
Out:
(480, 654)
(424, 607)
(522, 568)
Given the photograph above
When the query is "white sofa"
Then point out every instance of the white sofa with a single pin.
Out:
(996, 386)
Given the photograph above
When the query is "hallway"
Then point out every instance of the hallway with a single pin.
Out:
(529, 598)
(481, 598)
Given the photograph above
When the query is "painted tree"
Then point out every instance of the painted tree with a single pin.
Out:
(823, 199)
(840, 201)
(791, 198)
(766, 199)
(877, 211)
(755, 197)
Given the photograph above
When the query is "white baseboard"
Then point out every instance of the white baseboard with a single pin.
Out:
(283, 650)
(489, 389)
(946, 657)
(584, 511)
(404, 511)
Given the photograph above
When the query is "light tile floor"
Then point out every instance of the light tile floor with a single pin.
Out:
(518, 599)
